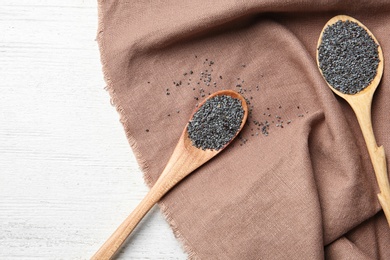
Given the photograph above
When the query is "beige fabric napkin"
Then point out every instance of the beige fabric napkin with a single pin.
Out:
(300, 188)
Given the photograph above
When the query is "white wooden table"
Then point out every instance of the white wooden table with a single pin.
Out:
(67, 174)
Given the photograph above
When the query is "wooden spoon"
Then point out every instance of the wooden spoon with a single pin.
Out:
(361, 105)
(184, 160)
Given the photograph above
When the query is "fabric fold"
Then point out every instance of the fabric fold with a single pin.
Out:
(298, 182)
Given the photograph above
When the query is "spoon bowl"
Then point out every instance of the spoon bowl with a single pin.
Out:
(370, 89)
(361, 105)
(185, 159)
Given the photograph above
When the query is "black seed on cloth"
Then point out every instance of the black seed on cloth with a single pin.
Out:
(216, 122)
(348, 57)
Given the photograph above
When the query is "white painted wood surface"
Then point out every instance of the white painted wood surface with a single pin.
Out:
(67, 174)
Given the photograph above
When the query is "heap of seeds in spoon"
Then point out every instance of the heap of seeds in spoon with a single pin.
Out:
(216, 122)
(348, 57)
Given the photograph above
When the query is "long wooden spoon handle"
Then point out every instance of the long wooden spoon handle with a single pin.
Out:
(379, 162)
(180, 164)
(116, 240)
(377, 154)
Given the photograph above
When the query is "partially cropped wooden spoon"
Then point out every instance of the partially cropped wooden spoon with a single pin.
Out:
(184, 160)
(361, 105)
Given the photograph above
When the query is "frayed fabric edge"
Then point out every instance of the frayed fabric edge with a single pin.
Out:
(113, 98)
(133, 144)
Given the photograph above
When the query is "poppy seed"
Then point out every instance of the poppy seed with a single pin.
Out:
(348, 57)
(216, 122)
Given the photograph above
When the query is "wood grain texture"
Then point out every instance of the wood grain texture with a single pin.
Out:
(361, 104)
(67, 174)
(184, 160)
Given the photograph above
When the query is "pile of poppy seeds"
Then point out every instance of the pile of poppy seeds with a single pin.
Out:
(216, 122)
(348, 57)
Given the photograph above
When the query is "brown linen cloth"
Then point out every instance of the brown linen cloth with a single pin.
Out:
(305, 191)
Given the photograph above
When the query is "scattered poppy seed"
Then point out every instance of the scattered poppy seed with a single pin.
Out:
(348, 57)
